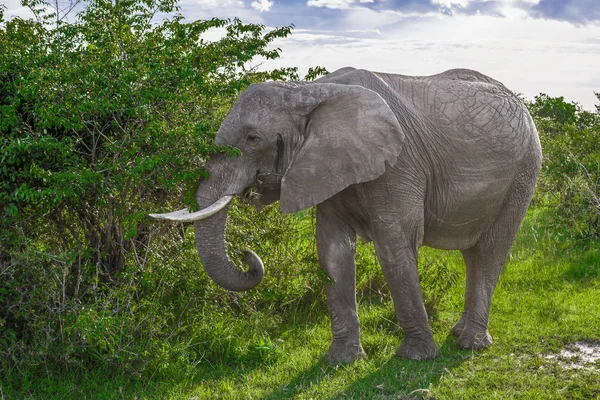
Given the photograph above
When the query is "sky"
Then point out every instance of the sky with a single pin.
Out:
(532, 46)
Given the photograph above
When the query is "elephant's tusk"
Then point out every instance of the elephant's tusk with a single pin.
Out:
(185, 216)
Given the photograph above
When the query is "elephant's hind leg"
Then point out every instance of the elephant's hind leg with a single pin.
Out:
(399, 265)
(485, 262)
(483, 272)
(336, 246)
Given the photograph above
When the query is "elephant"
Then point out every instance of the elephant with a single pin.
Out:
(448, 161)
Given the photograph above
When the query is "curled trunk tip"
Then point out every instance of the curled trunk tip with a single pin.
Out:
(256, 269)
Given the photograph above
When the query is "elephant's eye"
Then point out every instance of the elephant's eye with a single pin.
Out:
(251, 138)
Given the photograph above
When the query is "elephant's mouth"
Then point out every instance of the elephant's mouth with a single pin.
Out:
(268, 180)
(266, 189)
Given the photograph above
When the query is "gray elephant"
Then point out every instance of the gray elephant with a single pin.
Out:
(448, 161)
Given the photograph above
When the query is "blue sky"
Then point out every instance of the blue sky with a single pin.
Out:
(533, 46)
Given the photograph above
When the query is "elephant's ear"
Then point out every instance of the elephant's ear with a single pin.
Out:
(350, 133)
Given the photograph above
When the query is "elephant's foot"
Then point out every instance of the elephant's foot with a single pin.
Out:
(474, 340)
(417, 348)
(458, 329)
(344, 353)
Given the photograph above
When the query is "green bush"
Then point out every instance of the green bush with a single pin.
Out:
(103, 120)
(570, 176)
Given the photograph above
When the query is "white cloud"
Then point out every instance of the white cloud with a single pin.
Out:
(465, 3)
(511, 12)
(335, 4)
(512, 9)
(262, 5)
(215, 4)
(207, 9)
(450, 3)
(368, 19)
(15, 9)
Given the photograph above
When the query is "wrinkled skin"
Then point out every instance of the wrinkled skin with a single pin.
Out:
(448, 161)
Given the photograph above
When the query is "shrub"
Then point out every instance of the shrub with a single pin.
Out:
(101, 121)
(570, 176)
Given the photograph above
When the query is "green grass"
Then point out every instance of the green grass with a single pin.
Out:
(548, 297)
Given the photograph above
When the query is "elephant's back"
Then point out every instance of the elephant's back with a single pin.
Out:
(399, 82)
(466, 109)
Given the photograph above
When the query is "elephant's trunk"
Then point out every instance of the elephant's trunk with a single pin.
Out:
(210, 242)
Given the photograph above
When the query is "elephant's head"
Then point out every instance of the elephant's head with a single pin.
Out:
(301, 144)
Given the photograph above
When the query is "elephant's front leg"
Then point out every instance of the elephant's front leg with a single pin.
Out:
(398, 259)
(336, 246)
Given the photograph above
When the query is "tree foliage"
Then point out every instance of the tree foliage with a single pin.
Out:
(570, 177)
(103, 118)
